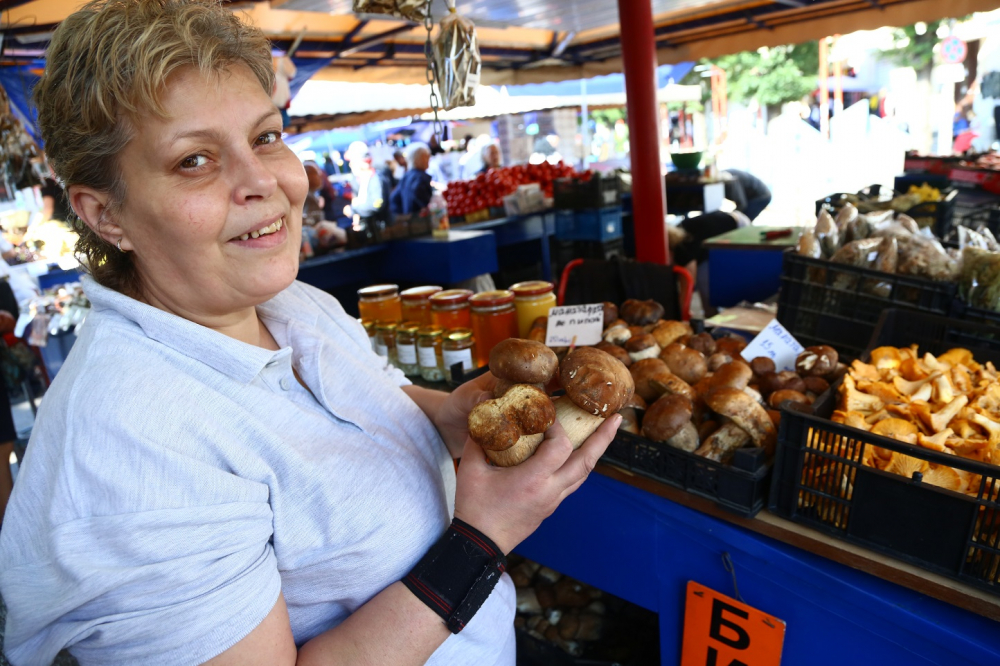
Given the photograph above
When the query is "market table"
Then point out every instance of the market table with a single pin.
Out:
(745, 266)
(533, 227)
(470, 250)
(643, 541)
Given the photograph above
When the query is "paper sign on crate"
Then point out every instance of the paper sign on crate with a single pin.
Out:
(720, 631)
(777, 344)
(585, 323)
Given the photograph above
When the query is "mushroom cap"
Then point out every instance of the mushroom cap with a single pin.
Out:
(703, 342)
(610, 313)
(640, 313)
(616, 351)
(523, 361)
(687, 363)
(642, 342)
(665, 417)
(731, 345)
(596, 381)
(523, 410)
(644, 372)
(668, 332)
(734, 375)
(762, 365)
(636, 402)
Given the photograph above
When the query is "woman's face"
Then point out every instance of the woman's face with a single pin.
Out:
(200, 184)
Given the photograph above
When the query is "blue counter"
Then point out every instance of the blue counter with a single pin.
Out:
(644, 547)
(470, 250)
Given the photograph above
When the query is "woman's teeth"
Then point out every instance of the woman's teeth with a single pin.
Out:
(269, 229)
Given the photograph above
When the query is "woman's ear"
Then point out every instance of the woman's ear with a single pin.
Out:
(91, 206)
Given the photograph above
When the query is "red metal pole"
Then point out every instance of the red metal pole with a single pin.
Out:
(649, 198)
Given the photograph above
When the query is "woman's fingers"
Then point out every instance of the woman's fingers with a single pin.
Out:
(582, 462)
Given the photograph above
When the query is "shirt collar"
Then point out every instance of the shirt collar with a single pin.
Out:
(239, 360)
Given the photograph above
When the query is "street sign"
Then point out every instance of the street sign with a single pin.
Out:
(953, 50)
(720, 631)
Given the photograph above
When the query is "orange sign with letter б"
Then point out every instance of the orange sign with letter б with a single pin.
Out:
(720, 631)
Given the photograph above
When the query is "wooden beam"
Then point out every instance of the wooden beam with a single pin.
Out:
(375, 39)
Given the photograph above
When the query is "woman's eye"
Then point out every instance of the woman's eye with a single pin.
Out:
(194, 161)
(268, 137)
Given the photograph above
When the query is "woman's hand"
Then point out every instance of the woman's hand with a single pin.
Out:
(509, 503)
(452, 418)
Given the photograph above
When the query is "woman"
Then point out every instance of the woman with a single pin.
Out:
(223, 472)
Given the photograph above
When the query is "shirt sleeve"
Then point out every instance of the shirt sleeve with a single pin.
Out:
(132, 553)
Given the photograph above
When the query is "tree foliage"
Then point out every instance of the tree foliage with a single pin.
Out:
(770, 75)
(912, 49)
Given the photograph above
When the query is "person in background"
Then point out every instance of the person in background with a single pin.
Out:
(491, 157)
(748, 192)
(9, 312)
(414, 191)
(369, 196)
(54, 206)
(321, 232)
(401, 166)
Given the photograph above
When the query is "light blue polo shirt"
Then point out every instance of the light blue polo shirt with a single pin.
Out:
(177, 479)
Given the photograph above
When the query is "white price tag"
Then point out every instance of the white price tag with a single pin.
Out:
(407, 354)
(428, 357)
(585, 323)
(777, 344)
(463, 356)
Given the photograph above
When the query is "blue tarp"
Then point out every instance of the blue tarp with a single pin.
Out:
(18, 81)
(600, 85)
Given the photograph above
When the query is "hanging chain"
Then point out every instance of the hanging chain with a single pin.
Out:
(431, 73)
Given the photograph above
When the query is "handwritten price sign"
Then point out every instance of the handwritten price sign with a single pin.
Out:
(585, 323)
(777, 344)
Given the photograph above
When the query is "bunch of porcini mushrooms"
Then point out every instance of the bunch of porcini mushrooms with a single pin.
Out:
(512, 425)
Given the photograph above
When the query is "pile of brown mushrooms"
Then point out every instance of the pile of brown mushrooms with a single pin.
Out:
(696, 393)
(512, 425)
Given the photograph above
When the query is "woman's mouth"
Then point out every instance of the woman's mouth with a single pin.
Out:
(274, 227)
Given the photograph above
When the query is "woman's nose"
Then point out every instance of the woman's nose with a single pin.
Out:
(253, 178)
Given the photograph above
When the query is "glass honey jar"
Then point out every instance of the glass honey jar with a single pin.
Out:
(370, 330)
(417, 305)
(532, 300)
(429, 354)
(450, 309)
(494, 319)
(380, 302)
(457, 347)
(406, 348)
(385, 340)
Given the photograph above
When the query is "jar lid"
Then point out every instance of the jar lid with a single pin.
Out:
(378, 291)
(458, 334)
(491, 298)
(430, 331)
(419, 293)
(385, 325)
(451, 297)
(532, 288)
(408, 327)
(369, 324)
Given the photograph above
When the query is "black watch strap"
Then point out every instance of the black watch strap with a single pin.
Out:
(457, 574)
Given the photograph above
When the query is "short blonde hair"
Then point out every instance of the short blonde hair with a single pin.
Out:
(107, 66)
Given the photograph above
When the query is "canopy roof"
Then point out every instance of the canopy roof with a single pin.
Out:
(522, 41)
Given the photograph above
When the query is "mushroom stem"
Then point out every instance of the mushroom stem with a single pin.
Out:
(523, 449)
(579, 424)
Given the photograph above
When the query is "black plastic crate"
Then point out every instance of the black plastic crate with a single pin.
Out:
(987, 333)
(821, 302)
(937, 215)
(600, 191)
(820, 481)
(739, 486)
